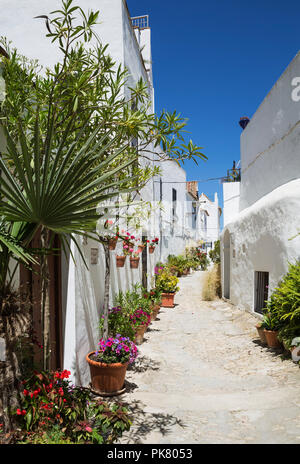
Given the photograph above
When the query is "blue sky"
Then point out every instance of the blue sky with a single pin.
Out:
(215, 62)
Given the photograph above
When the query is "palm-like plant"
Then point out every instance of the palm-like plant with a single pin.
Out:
(58, 191)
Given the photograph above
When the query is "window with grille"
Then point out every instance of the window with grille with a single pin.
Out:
(261, 290)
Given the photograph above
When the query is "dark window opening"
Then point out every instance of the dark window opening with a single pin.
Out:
(261, 282)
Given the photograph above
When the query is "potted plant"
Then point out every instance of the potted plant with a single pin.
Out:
(140, 320)
(154, 299)
(153, 244)
(168, 285)
(109, 363)
(120, 259)
(134, 259)
(271, 329)
(260, 329)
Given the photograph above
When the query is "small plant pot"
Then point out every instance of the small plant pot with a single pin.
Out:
(167, 300)
(261, 334)
(151, 249)
(112, 243)
(139, 334)
(120, 261)
(134, 262)
(141, 248)
(272, 338)
(154, 312)
(106, 378)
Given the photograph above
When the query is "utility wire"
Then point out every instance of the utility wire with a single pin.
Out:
(185, 182)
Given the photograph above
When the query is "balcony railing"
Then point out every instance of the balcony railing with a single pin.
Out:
(140, 21)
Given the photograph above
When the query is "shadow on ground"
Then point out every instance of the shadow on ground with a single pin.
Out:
(144, 363)
(146, 422)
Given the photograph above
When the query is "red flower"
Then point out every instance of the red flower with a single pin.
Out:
(21, 413)
(25, 392)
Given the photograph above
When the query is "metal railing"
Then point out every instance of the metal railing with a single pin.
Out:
(140, 21)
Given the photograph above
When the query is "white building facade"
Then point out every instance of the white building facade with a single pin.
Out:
(261, 213)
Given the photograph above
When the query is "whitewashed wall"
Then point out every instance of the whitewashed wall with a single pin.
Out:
(270, 142)
(213, 217)
(231, 201)
(259, 238)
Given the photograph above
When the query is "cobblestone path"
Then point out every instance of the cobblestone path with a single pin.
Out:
(203, 377)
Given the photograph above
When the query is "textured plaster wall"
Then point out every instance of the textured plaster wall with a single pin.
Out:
(270, 143)
(260, 240)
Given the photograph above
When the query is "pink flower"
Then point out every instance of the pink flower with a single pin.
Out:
(131, 250)
(89, 429)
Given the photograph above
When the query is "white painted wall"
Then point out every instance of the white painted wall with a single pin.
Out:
(261, 233)
(231, 201)
(270, 142)
(213, 217)
(260, 240)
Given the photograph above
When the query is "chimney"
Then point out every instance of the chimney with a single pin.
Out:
(192, 188)
(244, 121)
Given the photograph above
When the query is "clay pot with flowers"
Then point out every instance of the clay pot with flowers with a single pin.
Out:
(120, 259)
(153, 244)
(154, 298)
(271, 327)
(134, 258)
(139, 319)
(108, 365)
(168, 285)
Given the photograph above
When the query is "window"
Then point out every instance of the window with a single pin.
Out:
(261, 290)
(174, 200)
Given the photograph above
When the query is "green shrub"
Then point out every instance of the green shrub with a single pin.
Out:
(215, 253)
(211, 288)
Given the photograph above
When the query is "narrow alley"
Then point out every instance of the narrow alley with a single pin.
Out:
(203, 377)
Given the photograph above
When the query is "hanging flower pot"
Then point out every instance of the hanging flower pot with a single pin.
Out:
(151, 249)
(141, 248)
(120, 261)
(134, 262)
(112, 243)
(167, 300)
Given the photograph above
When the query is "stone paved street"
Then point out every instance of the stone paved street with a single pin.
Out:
(203, 377)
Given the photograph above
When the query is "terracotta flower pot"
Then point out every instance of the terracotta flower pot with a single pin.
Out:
(106, 378)
(272, 339)
(261, 334)
(167, 300)
(151, 249)
(141, 247)
(154, 312)
(112, 243)
(120, 260)
(139, 334)
(134, 262)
